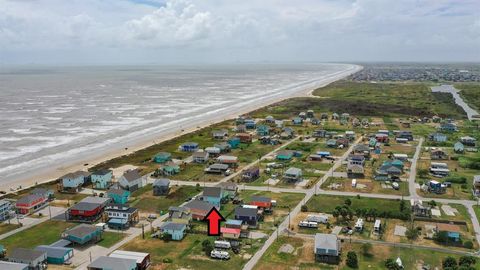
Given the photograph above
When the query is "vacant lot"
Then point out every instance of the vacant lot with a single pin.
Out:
(146, 202)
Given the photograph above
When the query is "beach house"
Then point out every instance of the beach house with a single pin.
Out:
(83, 234)
(112, 263)
(244, 138)
(118, 195)
(73, 182)
(229, 189)
(284, 155)
(438, 153)
(169, 168)
(293, 175)
(35, 259)
(162, 157)
(220, 134)
(263, 130)
(468, 141)
(297, 121)
(143, 259)
(250, 123)
(89, 209)
(30, 203)
(327, 248)
(213, 195)
(437, 137)
(5, 209)
(131, 180)
(231, 161)
(56, 255)
(45, 192)
(448, 127)
(230, 233)
(247, 215)
(121, 216)
(189, 147)
(179, 214)
(102, 179)
(199, 209)
(175, 230)
(234, 142)
(224, 147)
(161, 187)
(251, 174)
(476, 185)
(261, 201)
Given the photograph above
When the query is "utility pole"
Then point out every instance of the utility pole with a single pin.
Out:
(143, 231)
(49, 211)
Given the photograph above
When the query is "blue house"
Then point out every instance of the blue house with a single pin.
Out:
(118, 223)
(56, 255)
(189, 147)
(453, 236)
(323, 154)
(450, 127)
(102, 179)
(234, 142)
(118, 195)
(73, 181)
(213, 195)
(175, 230)
(437, 137)
(285, 155)
(83, 234)
(297, 121)
(263, 130)
(250, 124)
(162, 157)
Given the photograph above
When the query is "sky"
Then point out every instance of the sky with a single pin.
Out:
(77, 32)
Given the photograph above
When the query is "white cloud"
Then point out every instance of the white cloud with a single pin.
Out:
(249, 30)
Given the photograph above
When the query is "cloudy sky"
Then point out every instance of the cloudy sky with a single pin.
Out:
(198, 31)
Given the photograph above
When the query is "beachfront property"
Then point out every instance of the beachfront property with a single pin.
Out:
(293, 174)
(161, 187)
(142, 259)
(189, 147)
(247, 215)
(35, 259)
(162, 157)
(102, 179)
(56, 255)
(121, 216)
(224, 147)
(176, 231)
(261, 201)
(132, 180)
(89, 209)
(118, 195)
(73, 182)
(220, 134)
(251, 174)
(179, 214)
(83, 234)
(45, 192)
(250, 124)
(30, 203)
(5, 209)
(234, 142)
(327, 248)
(199, 209)
(200, 157)
(169, 168)
(110, 263)
(213, 195)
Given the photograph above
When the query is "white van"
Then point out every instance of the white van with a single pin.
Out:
(222, 244)
(219, 254)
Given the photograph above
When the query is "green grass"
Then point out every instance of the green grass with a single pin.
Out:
(470, 94)
(110, 238)
(145, 201)
(370, 99)
(5, 227)
(45, 233)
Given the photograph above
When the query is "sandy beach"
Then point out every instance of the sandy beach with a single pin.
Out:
(183, 126)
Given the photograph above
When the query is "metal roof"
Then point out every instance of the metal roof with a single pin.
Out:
(105, 262)
(23, 254)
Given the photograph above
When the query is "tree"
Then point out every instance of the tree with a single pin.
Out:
(402, 205)
(352, 260)
(412, 233)
(335, 214)
(304, 208)
(366, 248)
(390, 264)
(468, 244)
(441, 237)
(432, 203)
(449, 262)
(207, 246)
(348, 202)
(467, 260)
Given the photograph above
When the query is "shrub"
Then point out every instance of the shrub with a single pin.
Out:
(468, 244)
(304, 208)
(467, 260)
(352, 260)
(167, 260)
(449, 262)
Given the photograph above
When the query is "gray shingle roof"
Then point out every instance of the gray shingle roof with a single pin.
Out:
(246, 212)
(201, 205)
(326, 241)
(131, 175)
(172, 226)
(104, 262)
(23, 254)
(29, 199)
(55, 252)
(212, 192)
(161, 182)
(81, 230)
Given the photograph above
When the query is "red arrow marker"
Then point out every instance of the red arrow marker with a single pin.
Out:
(214, 218)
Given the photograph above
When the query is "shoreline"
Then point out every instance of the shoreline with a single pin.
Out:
(48, 175)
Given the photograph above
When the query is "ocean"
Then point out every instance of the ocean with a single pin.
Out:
(52, 116)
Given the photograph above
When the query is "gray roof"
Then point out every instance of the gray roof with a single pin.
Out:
(326, 241)
(97, 200)
(201, 205)
(293, 171)
(219, 166)
(29, 199)
(81, 230)
(361, 148)
(61, 243)
(245, 212)
(164, 182)
(102, 172)
(55, 252)
(13, 266)
(84, 206)
(23, 254)
(212, 192)
(173, 226)
(76, 174)
(228, 185)
(199, 154)
(104, 262)
(41, 191)
(131, 175)
(117, 191)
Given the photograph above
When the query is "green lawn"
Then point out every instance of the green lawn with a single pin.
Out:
(5, 227)
(145, 201)
(470, 94)
(42, 234)
(110, 238)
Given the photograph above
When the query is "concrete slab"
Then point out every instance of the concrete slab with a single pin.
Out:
(436, 212)
(271, 182)
(302, 183)
(448, 210)
(400, 230)
(336, 230)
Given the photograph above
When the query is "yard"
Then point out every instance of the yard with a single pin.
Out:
(146, 202)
